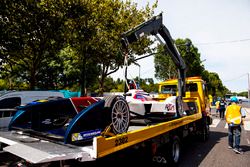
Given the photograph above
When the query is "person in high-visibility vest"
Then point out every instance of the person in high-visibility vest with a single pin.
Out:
(217, 105)
(234, 114)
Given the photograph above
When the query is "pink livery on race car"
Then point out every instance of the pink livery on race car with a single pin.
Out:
(142, 105)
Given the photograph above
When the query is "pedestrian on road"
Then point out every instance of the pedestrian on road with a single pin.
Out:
(217, 105)
(222, 108)
(234, 114)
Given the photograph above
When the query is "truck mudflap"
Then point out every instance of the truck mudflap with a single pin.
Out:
(35, 150)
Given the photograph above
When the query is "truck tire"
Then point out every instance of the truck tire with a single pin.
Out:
(174, 151)
(119, 113)
(205, 133)
(168, 154)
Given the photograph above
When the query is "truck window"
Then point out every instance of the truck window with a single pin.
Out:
(169, 89)
(190, 108)
(191, 87)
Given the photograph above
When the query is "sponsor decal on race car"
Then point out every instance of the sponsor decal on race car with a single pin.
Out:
(85, 135)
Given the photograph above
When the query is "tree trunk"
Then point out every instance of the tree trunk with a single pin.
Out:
(101, 86)
(32, 79)
(83, 78)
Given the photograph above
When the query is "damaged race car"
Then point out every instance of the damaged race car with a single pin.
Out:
(73, 120)
(148, 109)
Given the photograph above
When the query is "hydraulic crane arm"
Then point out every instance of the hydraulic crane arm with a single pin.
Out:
(155, 26)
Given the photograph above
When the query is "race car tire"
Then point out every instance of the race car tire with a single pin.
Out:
(119, 113)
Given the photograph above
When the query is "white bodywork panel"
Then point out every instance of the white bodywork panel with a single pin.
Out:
(168, 106)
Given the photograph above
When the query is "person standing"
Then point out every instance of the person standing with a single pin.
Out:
(234, 114)
(217, 105)
(222, 108)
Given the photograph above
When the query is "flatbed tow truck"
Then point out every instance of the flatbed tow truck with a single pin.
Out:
(163, 138)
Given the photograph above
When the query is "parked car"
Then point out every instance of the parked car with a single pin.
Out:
(10, 100)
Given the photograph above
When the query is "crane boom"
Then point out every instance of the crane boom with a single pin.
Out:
(155, 26)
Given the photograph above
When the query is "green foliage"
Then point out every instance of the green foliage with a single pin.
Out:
(87, 33)
(3, 85)
(191, 56)
(31, 39)
(75, 44)
(214, 84)
(166, 69)
(245, 94)
(164, 65)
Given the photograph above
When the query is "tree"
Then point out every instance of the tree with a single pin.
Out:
(214, 84)
(191, 57)
(164, 65)
(94, 29)
(166, 69)
(31, 39)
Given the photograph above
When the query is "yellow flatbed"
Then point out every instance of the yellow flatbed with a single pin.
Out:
(105, 146)
(21, 144)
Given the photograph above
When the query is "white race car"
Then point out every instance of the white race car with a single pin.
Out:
(142, 105)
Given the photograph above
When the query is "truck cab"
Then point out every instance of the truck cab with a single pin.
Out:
(195, 88)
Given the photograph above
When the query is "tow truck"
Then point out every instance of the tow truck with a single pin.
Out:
(161, 141)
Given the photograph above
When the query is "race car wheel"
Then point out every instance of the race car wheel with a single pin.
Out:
(119, 113)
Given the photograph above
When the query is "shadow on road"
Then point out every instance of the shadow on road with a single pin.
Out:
(194, 151)
(245, 148)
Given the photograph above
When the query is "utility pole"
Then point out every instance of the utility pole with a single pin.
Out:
(248, 85)
(139, 78)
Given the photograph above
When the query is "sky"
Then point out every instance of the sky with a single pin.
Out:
(220, 29)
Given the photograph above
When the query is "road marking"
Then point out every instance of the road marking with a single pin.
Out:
(247, 125)
(248, 142)
(226, 125)
(215, 122)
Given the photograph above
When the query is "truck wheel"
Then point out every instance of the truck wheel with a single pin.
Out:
(205, 132)
(169, 155)
(119, 113)
(174, 151)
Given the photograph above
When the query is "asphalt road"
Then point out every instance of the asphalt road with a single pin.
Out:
(213, 152)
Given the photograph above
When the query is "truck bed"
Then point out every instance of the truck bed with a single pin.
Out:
(37, 150)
